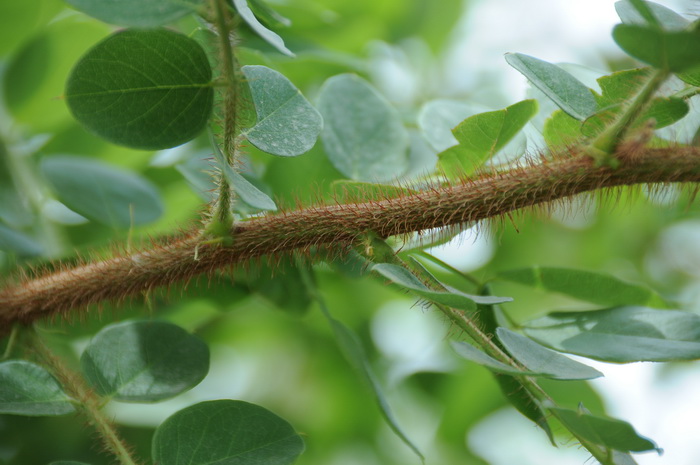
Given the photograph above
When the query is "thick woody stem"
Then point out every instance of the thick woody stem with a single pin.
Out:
(72, 289)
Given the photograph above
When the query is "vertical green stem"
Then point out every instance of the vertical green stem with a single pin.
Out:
(87, 402)
(229, 73)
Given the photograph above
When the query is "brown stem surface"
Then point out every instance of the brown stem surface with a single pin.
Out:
(74, 288)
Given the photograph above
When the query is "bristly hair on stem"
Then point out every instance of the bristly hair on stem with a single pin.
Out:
(69, 289)
(221, 218)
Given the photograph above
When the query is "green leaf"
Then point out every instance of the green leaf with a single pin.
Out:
(621, 334)
(143, 88)
(676, 51)
(363, 134)
(590, 286)
(561, 130)
(607, 432)
(542, 360)
(667, 18)
(19, 243)
(558, 85)
(144, 361)
(471, 353)
(225, 432)
(287, 123)
(139, 13)
(28, 389)
(456, 299)
(482, 135)
(270, 37)
(102, 192)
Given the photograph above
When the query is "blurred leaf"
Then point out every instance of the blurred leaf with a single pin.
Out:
(482, 135)
(144, 361)
(226, 432)
(590, 286)
(143, 88)
(666, 17)
(621, 334)
(35, 75)
(561, 130)
(287, 123)
(270, 37)
(139, 13)
(607, 432)
(558, 85)
(19, 243)
(21, 20)
(401, 276)
(102, 192)
(437, 118)
(542, 360)
(28, 389)
(363, 134)
(676, 51)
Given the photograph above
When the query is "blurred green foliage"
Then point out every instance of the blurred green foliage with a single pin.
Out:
(280, 351)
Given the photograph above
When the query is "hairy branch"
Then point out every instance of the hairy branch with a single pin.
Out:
(71, 289)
